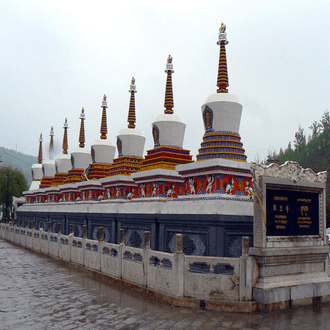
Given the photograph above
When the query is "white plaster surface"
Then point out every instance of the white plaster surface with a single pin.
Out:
(36, 171)
(104, 151)
(48, 168)
(227, 111)
(82, 158)
(171, 129)
(133, 141)
(155, 172)
(209, 163)
(63, 163)
(150, 206)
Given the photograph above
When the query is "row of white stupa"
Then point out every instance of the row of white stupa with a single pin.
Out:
(226, 118)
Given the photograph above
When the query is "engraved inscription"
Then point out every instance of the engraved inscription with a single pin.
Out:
(292, 213)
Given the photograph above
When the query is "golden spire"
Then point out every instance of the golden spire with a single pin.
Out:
(51, 144)
(169, 104)
(131, 112)
(222, 81)
(82, 129)
(65, 137)
(104, 129)
(40, 150)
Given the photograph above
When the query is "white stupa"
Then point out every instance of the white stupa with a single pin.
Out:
(103, 150)
(81, 157)
(36, 169)
(130, 140)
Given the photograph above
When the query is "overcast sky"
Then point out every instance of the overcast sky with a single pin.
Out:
(59, 56)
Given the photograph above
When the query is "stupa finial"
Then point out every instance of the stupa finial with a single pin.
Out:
(65, 137)
(82, 129)
(51, 144)
(169, 104)
(40, 150)
(131, 112)
(222, 81)
(104, 129)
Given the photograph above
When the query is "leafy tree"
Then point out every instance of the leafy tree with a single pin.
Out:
(325, 121)
(12, 183)
(316, 129)
(300, 139)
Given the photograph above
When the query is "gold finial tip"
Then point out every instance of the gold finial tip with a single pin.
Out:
(169, 59)
(223, 28)
(133, 80)
(66, 120)
(104, 97)
(82, 110)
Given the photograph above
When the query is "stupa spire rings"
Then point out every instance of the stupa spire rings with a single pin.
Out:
(40, 150)
(169, 103)
(222, 81)
(65, 137)
(131, 112)
(104, 129)
(82, 129)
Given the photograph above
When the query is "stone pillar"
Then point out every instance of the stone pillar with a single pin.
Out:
(178, 265)
(50, 227)
(121, 236)
(59, 228)
(179, 243)
(101, 234)
(84, 231)
(71, 228)
(245, 246)
(147, 239)
(33, 224)
(41, 225)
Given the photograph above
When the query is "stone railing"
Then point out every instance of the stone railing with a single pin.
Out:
(176, 275)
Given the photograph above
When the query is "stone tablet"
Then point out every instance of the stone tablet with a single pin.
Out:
(291, 213)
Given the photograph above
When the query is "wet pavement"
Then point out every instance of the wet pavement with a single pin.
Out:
(37, 292)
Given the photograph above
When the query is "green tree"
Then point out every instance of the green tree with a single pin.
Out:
(325, 121)
(316, 129)
(300, 140)
(12, 183)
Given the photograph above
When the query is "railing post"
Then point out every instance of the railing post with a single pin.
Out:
(120, 252)
(243, 295)
(101, 243)
(145, 260)
(179, 261)
(84, 237)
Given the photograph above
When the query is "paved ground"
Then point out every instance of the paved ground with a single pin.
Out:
(39, 293)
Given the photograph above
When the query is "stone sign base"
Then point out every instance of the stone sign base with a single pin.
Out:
(291, 277)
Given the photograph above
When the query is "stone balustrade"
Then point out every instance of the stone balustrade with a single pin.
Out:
(174, 275)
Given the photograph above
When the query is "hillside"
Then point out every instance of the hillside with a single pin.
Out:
(18, 160)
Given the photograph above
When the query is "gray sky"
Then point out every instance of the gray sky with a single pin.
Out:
(57, 56)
